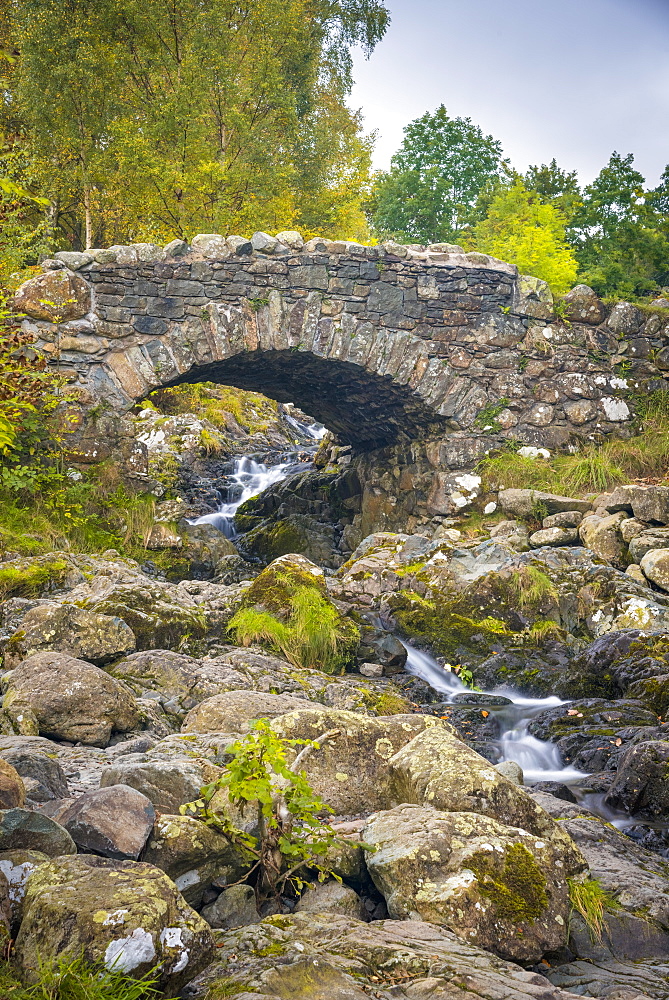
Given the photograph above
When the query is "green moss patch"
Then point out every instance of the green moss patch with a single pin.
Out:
(518, 891)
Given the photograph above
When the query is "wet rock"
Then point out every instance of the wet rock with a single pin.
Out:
(12, 790)
(56, 296)
(351, 772)
(641, 784)
(43, 777)
(532, 672)
(331, 897)
(553, 536)
(235, 907)
(636, 878)
(234, 711)
(205, 548)
(603, 536)
(121, 912)
(193, 855)
(70, 630)
(524, 503)
(167, 783)
(583, 305)
(114, 822)
(555, 788)
(629, 661)
(32, 831)
(70, 699)
(493, 885)
(597, 716)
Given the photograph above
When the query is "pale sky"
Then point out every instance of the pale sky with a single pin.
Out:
(574, 79)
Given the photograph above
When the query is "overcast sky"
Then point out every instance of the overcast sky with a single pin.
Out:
(574, 79)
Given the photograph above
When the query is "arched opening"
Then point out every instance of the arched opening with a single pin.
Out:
(361, 408)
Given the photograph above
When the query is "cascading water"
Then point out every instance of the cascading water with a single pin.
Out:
(540, 761)
(249, 478)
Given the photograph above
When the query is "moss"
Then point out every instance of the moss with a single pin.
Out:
(518, 891)
(446, 624)
(31, 579)
(269, 540)
(273, 588)
(392, 704)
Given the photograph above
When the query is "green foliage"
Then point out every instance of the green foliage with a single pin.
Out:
(217, 403)
(588, 898)
(554, 186)
(445, 623)
(486, 418)
(292, 837)
(74, 979)
(430, 194)
(313, 634)
(521, 229)
(30, 580)
(149, 121)
(620, 232)
(532, 587)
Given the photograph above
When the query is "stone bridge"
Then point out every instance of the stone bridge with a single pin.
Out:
(381, 344)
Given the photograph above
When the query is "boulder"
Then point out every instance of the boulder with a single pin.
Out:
(70, 699)
(114, 821)
(324, 956)
(125, 914)
(234, 711)
(168, 784)
(583, 305)
(350, 771)
(525, 503)
(205, 548)
(553, 536)
(66, 628)
(565, 519)
(641, 784)
(493, 885)
(514, 534)
(647, 503)
(647, 539)
(43, 777)
(56, 296)
(602, 535)
(17, 866)
(331, 897)
(193, 855)
(291, 239)
(436, 769)
(12, 790)
(235, 907)
(624, 319)
(32, 831)
(655, 567)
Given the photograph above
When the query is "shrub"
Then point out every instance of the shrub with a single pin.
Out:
(292, 837)
(314, 633)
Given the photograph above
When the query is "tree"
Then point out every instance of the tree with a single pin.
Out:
(619, 232)
(156, 119)
(430, 192)
(523, 230)
(554, 186)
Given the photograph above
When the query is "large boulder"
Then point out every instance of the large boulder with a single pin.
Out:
(32, 831)
(647, 503)
(55, 296)
(113, 821)
(351, 771)
(528, 503)
(436, 769)
(125, 914)
(69, 699)
(193, 855)
(206, 549)
(72, 630)
(602, 535)
(493, 885)
(234, 711)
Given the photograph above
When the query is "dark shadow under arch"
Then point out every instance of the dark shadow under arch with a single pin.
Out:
(363, 409)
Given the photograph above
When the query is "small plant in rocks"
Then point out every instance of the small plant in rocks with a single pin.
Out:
(293, 837)
(75, 979)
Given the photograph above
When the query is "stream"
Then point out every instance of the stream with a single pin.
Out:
(539, 759)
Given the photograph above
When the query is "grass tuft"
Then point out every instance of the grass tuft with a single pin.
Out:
(592, 901)
(74, 979)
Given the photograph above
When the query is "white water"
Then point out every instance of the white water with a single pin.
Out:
(249, 478)
(540, 761)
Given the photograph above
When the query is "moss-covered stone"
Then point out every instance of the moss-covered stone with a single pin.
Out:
(122, 912)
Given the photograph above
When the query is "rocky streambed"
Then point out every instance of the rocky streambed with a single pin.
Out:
(498, 753)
